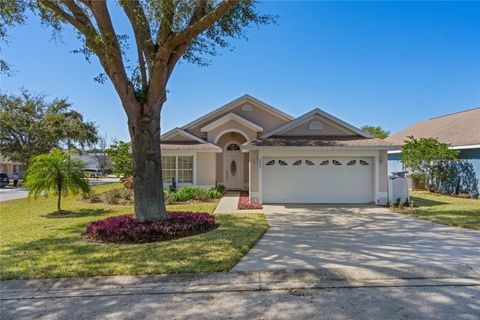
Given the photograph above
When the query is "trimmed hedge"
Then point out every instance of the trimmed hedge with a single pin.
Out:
(190, 193)
(127, 229)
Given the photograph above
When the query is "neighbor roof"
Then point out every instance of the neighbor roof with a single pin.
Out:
(319, 141)
(189, 146)
(458, 129)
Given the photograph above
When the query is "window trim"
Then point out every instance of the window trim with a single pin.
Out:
(194, 167)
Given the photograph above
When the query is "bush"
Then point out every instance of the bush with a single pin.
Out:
(114, 196)
(127, 229)
(189, 193)
(245, 204)
(214, 194)
(170, 196)
(186, 193)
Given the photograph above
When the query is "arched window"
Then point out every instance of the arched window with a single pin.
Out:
(336, 163)
(297, 163)
(309, 163)
(282, 163)
(351, 162)
(270, 163)
(233, 147)
(363, 163)
(324, 163)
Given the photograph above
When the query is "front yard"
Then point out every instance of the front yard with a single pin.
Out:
(35, 246)
(452, 211)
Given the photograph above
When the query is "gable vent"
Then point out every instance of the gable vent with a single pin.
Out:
(315, 125)
(246, 107)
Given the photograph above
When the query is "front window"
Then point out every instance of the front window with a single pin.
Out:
(179, 168)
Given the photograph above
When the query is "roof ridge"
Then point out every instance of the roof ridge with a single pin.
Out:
(452, 113)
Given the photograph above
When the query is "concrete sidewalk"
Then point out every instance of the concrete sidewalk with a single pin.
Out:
(229, 204)
(344, 277)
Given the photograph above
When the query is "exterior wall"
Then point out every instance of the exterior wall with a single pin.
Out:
(329, 129)
(226, 138)
(383, 171)
(206, 173)
(263, 118)
(212, 135)
(253, 175)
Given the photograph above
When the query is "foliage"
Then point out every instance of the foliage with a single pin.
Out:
(128, 183)
(55, 173)
(425, 157)
(121, 154)
(376, 131)
(127, 229)
(244, 202)
(30, 125)
(116, 196)
(459, 177)
(34, 245)
(189, 193)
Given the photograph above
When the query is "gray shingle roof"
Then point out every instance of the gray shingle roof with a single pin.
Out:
(459, 129)
(319, 141)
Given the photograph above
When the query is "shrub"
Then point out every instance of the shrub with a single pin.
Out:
(186, 193)
(201, 194)
(170, 196)
(127, 229)
(220, 188)
(245, 204)
(214, 194)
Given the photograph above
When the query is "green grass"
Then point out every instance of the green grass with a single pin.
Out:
(444, 209)
(35, 246)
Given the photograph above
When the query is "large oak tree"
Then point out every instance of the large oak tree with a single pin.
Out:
(164, 31)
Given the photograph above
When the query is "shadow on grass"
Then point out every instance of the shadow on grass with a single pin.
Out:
(78, 213)
(423, 202)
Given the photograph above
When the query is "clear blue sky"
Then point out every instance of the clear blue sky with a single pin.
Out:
(383, 63)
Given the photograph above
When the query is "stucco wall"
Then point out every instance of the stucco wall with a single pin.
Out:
(253, 155)
(226, 138)
(205, 162)
(263, 118)
(329, 129)
(230, 125)
(383, 171)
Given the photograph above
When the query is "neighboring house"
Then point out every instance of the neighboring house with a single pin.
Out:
(250, 145)
(460, 129)
(9, 167)
(95, 160)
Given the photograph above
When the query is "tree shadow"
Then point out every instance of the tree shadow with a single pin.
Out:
(78, 213)
(423, 202)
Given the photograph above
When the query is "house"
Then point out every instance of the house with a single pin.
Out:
(9, 167)
(460, 129)
(250, 145)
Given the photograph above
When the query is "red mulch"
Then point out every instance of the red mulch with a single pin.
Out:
(245, 204)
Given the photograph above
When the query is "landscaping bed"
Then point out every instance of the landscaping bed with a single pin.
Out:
(127, 229)
(244, 202)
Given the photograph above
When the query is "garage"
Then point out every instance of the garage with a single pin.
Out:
(317, 180)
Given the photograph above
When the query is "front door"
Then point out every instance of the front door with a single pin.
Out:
(233, 169)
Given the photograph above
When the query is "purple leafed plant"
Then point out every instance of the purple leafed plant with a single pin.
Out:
(127, 229)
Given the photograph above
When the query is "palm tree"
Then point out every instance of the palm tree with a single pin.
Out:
(56, 173)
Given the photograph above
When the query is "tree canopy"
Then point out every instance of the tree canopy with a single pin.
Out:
(376, 131)
(120, 153)
(30, 125)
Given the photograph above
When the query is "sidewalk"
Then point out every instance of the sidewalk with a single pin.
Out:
(229, 204)
(344, 277)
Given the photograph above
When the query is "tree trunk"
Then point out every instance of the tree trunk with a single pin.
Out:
(147, 166)
(59, 202)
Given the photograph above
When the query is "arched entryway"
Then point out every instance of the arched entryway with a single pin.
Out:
(232, 163)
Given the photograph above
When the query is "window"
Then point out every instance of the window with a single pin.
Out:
(309, 163)
(169, 168)
(185, 169)
(179, 168)
(363, 163)
(297, 163)
(351, 162)
(233, 147)
(324, 163)
(270, 163)
(282, 163)
(315, 125)
(336, 163)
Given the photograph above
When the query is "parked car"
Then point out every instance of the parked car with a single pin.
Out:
(93, 173)
(4, 181)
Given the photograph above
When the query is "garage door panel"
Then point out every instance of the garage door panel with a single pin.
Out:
(349, 182)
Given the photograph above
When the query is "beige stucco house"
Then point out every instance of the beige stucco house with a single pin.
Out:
(9, 167)
(250, 145)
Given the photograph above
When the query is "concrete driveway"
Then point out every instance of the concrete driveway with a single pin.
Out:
(321, 236)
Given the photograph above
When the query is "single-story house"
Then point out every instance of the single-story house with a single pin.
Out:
(460, 129)
(250, 145)
(9, 167)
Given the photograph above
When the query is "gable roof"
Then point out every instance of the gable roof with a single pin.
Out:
(458, 129)
(235, 103)
(315, 112)
(234, 117)
(183, 133)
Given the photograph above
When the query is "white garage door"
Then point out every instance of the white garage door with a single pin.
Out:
(317, 180)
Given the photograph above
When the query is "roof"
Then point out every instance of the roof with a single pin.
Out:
(320, 141)
(234, 117)
(315, 112)
(189, 146)
(458, 129)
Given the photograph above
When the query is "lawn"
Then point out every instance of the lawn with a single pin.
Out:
(444, 209)
(35, 246)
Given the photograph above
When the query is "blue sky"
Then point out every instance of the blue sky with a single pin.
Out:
(381, 63)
